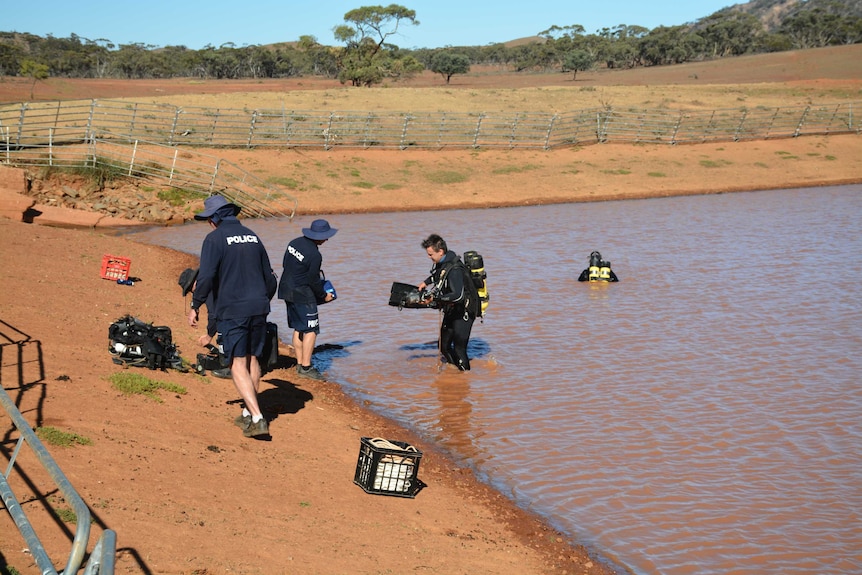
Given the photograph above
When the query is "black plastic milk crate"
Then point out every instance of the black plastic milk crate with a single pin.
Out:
(388, 467)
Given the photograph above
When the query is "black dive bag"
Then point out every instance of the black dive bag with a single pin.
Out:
(135, 342)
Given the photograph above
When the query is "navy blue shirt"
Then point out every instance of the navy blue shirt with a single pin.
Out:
(300, 280)
(235, 269)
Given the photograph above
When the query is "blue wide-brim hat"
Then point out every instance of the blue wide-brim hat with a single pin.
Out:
(213, 204)
(319, 230)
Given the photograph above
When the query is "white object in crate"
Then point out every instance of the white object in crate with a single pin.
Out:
(393, 472)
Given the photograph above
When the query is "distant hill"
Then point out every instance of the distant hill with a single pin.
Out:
(773, 12)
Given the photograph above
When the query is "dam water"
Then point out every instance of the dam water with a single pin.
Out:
(703, 415)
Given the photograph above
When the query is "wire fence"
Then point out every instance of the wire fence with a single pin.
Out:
(31, 124)
(145, 139)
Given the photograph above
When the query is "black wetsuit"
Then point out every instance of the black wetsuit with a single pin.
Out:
(459, 302)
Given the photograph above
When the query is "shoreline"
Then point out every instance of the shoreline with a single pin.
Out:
(462, 522)
(386, 181)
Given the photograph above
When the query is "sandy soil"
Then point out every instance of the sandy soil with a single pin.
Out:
(185, 492)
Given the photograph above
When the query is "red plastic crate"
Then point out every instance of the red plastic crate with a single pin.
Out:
(115, 267)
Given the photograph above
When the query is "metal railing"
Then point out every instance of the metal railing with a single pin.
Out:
(102, 559)
(157, 164)
(32, 123)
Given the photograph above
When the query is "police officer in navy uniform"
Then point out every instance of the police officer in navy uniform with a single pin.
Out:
(302, 290)
(235, 269)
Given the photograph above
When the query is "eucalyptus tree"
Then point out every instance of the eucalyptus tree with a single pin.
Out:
(367, 57)
(447, 64)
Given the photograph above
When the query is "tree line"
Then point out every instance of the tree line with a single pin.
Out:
(365, 56)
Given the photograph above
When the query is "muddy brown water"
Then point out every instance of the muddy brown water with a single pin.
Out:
(703, 415)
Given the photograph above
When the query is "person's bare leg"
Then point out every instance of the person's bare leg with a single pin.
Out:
(242, 380)
(308, 339)
(303, 346)
(255, 373)
(297, 347)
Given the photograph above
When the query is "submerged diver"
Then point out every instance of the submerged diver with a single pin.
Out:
(599, 270)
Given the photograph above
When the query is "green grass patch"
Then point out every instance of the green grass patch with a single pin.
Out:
(830, 158)
(99, 174)
(515, 169)
(760, 165)
(65, 515)
(446, 177)
(657, 174)
(617, 172)
(362, 184)
(391, 187)
(54, 436)
(714, 163)
(130, 383)
(289, 183)
(179, 196)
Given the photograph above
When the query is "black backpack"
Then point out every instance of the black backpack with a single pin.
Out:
(134, 342)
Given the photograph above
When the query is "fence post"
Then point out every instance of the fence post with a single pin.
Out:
(739, 127)
(21, 124)
(213, 127)
(173, 166)
(251, 129)
(548, 133)
(133, 121)
(801, 121)
(177, 113)
(215, 175)
(676, 128)
(403, 144)
(90, 116)
(601, 122)
(478, 129)
(91, 148)
(132, 159)
(366, 138)
(288, 124)
(512, 133)
(50, 146)
(327, 133)
(6, 138)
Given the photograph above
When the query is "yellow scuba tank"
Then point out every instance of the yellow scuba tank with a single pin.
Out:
(605, 272)
(476, 265)
(595, 273)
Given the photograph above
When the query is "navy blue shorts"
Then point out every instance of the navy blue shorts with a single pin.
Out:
(302, 317)
(243, 337)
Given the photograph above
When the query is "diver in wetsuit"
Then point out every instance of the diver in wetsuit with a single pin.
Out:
(599, 270)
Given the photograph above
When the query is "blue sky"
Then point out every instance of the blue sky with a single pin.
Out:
(249, 22)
